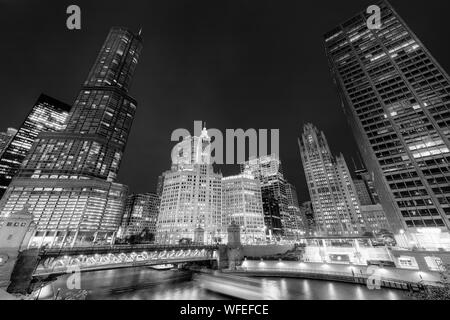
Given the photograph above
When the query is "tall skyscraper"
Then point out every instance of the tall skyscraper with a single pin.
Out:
(269, 171)
(68, 178)
(47, 115)
(297, 220)
(242, 204)
(141, 214)
(6, 137)
(396, 97)
(333, 195)
(192, 195)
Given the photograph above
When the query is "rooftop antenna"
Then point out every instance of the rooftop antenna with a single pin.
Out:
(140, 31)
(361, 161)
(354, 164)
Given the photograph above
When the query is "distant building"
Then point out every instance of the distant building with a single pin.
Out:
(363, 192)
(297, 220)
(242, 204)
(191, 195)
(5, 138)
(371, 210)
(269, 171)
(365, 187)
(308, 212)
(47, 115)
(374, 218)
(333, 195)
(141, 214)
(395, 96)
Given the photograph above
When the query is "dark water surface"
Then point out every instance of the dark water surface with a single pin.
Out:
(148, 284)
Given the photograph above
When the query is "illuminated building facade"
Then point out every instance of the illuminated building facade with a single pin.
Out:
(68, 178)
(141, 214)
(192, 195)
(242, 203)
(269, 171)
(374, 218)
(333, 195)
(297, 220)
(396, 97)
(47, 115)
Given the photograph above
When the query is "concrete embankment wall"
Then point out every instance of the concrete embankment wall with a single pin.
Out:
(298, 268)
(265, 250)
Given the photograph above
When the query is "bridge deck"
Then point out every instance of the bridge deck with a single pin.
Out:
(58, 252)
(63, 270)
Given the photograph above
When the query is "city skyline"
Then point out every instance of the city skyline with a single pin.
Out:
(370, 150)
(153, 127)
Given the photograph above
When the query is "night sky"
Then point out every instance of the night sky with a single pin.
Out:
(234, 64)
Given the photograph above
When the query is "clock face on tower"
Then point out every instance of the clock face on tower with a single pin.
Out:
(3, 259)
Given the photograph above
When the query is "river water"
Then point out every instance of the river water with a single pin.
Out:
(148, 284)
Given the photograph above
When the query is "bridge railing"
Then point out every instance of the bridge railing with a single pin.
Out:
(62, 269)
(119, 248)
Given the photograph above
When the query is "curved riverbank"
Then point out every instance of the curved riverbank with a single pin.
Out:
(388, 277)
(357, 280)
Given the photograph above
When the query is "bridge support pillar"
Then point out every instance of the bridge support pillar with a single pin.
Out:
(231, 256)
(15, 233)
(22, 274)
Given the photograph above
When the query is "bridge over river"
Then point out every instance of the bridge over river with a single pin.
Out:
(59, 261)
(35, 266)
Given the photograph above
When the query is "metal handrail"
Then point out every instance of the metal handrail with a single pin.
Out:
(325, 272)
(45, 251)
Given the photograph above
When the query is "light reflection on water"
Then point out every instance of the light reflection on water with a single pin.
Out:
(149, 284)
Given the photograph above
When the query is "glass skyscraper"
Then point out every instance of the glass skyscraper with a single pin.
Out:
(6, 137)
(333, 195)
(141, 214)
(269, 171)
(397, 100)
(297, 220)
(68, 178)
(242, 204)
(47, 115)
